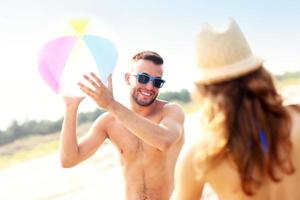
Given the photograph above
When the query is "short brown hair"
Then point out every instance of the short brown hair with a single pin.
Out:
(148, 55)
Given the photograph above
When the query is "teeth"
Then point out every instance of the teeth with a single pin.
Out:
(146, 93)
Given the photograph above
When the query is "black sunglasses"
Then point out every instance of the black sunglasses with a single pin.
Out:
(144, 78)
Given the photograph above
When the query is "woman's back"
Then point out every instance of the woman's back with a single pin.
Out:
(225, 180)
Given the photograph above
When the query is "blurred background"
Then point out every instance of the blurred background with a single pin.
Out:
(31, 113)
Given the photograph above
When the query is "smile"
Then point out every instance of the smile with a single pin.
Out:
(146, 93)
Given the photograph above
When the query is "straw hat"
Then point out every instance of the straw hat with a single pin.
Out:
(223, 56)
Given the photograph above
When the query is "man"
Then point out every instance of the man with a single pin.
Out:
(251, 145)
(148, 135)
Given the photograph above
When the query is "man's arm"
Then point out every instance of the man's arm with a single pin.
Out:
(160, 136)
(189, 181)
(72, 153)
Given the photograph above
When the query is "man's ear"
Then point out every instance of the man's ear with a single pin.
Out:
(127, 78)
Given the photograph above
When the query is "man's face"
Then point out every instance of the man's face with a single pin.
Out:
(144, 94)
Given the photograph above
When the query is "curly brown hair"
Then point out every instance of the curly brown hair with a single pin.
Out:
(239, 111)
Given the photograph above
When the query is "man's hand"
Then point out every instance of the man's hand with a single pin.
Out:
(101, 94)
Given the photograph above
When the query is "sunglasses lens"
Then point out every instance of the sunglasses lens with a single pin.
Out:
(142, 78)
(158, 83)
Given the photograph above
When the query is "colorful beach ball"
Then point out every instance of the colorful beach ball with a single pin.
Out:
(63, 61)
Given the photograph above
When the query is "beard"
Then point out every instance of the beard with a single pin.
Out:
(142, 102)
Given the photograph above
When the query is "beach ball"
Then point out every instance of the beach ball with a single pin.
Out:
(63, 61)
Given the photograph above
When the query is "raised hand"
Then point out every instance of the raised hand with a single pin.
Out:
(101, 94)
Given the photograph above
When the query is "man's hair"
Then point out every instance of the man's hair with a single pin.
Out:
(248, 115)
(148, 55)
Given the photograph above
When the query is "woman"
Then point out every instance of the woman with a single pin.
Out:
(253, 140)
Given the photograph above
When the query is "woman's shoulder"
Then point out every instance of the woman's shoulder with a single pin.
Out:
(294, 112)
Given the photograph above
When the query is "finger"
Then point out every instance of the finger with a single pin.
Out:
(98, 81)
(86, 77)
(86, 90)
(110, 84)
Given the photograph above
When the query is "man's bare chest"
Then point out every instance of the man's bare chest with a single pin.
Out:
(129, 145)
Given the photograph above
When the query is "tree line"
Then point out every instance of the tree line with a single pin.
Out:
(288, 75)
(18, 130)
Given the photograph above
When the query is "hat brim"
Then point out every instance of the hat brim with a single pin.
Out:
(228, 72)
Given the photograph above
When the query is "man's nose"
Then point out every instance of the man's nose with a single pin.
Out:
(149, 85)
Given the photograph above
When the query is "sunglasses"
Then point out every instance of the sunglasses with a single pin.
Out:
(144, 78)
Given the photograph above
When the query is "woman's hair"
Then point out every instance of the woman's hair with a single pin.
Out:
(248, 116)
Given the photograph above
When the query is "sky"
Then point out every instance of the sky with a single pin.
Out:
(168, 27)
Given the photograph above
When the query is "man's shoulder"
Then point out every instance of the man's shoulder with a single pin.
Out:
(105, 118)
(170, 106)
(104, 122)
(173, 110)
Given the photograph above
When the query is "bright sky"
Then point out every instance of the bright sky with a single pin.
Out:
(168, 27)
